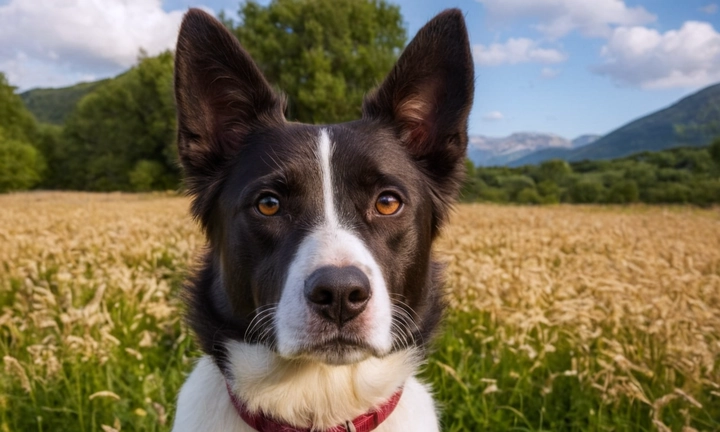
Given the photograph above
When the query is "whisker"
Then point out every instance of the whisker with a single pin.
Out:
(261, 314)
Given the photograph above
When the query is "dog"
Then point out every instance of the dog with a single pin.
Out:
(318, 295)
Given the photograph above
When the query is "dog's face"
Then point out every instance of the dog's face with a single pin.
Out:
(320, 236)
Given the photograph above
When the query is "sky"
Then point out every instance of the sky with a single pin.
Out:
(568, 67)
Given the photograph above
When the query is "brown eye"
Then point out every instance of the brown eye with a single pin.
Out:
(268, 205)
(387, 204)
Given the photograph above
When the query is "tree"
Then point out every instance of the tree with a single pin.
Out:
(623, 192)
(16, 122)
(529, 196)
(124, 121)
(549, 191)
(472, 185)
(586, 191)
(554, 170)
(514, 184)
(642, 173)
(21, 165)
(148, 175)
(714, 150)
(324, 54)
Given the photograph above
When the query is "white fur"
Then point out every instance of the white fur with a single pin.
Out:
(303, 392)
(324, 152)
(330, 244)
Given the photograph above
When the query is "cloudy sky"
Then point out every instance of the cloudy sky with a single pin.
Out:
(562, 66)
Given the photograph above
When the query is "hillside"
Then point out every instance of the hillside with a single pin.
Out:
(678, 125)
(53, 105)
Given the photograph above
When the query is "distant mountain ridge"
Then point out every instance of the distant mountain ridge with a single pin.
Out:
(584, 140)
(491, 151)
(681, 124)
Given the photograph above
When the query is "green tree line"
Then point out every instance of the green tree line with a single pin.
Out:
(677, 176)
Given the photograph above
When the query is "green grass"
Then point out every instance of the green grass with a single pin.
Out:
(468, 363)
(541, 393)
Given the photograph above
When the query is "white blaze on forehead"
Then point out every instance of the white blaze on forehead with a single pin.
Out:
(324, 153)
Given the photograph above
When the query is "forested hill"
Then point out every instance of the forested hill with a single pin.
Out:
(680, 125)
(53, 105)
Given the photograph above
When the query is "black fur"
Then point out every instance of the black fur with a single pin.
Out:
(235, 145)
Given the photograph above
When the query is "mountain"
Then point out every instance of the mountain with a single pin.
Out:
(584, 140)
(53, 105)
(681, 124)
(488, 151)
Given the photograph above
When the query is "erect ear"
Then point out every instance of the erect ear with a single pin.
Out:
(427, 98)
(221, 97)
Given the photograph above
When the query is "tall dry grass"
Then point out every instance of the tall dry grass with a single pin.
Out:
(90, 318)
(625, 301)
(563, 318)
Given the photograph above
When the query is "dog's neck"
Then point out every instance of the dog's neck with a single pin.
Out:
(307, 394)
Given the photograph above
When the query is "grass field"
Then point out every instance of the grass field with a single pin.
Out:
(563, 318)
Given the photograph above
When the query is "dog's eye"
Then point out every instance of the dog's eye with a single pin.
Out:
(268, 205)
(387, 204)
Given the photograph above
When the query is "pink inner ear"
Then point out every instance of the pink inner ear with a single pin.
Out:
(417, 114)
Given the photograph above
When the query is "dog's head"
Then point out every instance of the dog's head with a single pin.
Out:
(320, 236)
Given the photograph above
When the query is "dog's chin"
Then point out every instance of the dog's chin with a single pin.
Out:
(338, 356)
(337, 351)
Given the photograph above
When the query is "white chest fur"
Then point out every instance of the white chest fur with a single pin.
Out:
(301, 392)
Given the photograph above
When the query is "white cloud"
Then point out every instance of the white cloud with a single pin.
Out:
(710, 9)
(493, 116)
(556, 18)
(643, 57)
(514, 51)
(61, 40)
(549, 73)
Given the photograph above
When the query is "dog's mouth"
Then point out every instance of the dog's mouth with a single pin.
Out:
(339, 349)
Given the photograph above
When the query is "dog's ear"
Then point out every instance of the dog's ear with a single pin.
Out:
(221, 96)
(427, 98)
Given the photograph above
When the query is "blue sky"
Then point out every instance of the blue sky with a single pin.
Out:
(568, 67)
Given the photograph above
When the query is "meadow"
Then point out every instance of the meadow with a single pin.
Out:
(562, 317)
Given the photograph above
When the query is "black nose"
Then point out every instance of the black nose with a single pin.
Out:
(338, 294)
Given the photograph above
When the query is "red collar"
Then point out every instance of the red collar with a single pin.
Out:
(364, 423)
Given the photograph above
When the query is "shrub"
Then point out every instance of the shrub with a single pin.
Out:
(147, 175)
(698, 161)
(661, 159)
(586, 191)
(623, 192)
(592, 165)
(547, 188)
(714, 151)
(642, 173)
(669, 193)
(529, 196)
(673, 175)
(549, 192)
(21, 165)
(555, 170)
(609, 178)
(513, 184)
(705, 192)
(494, 195)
